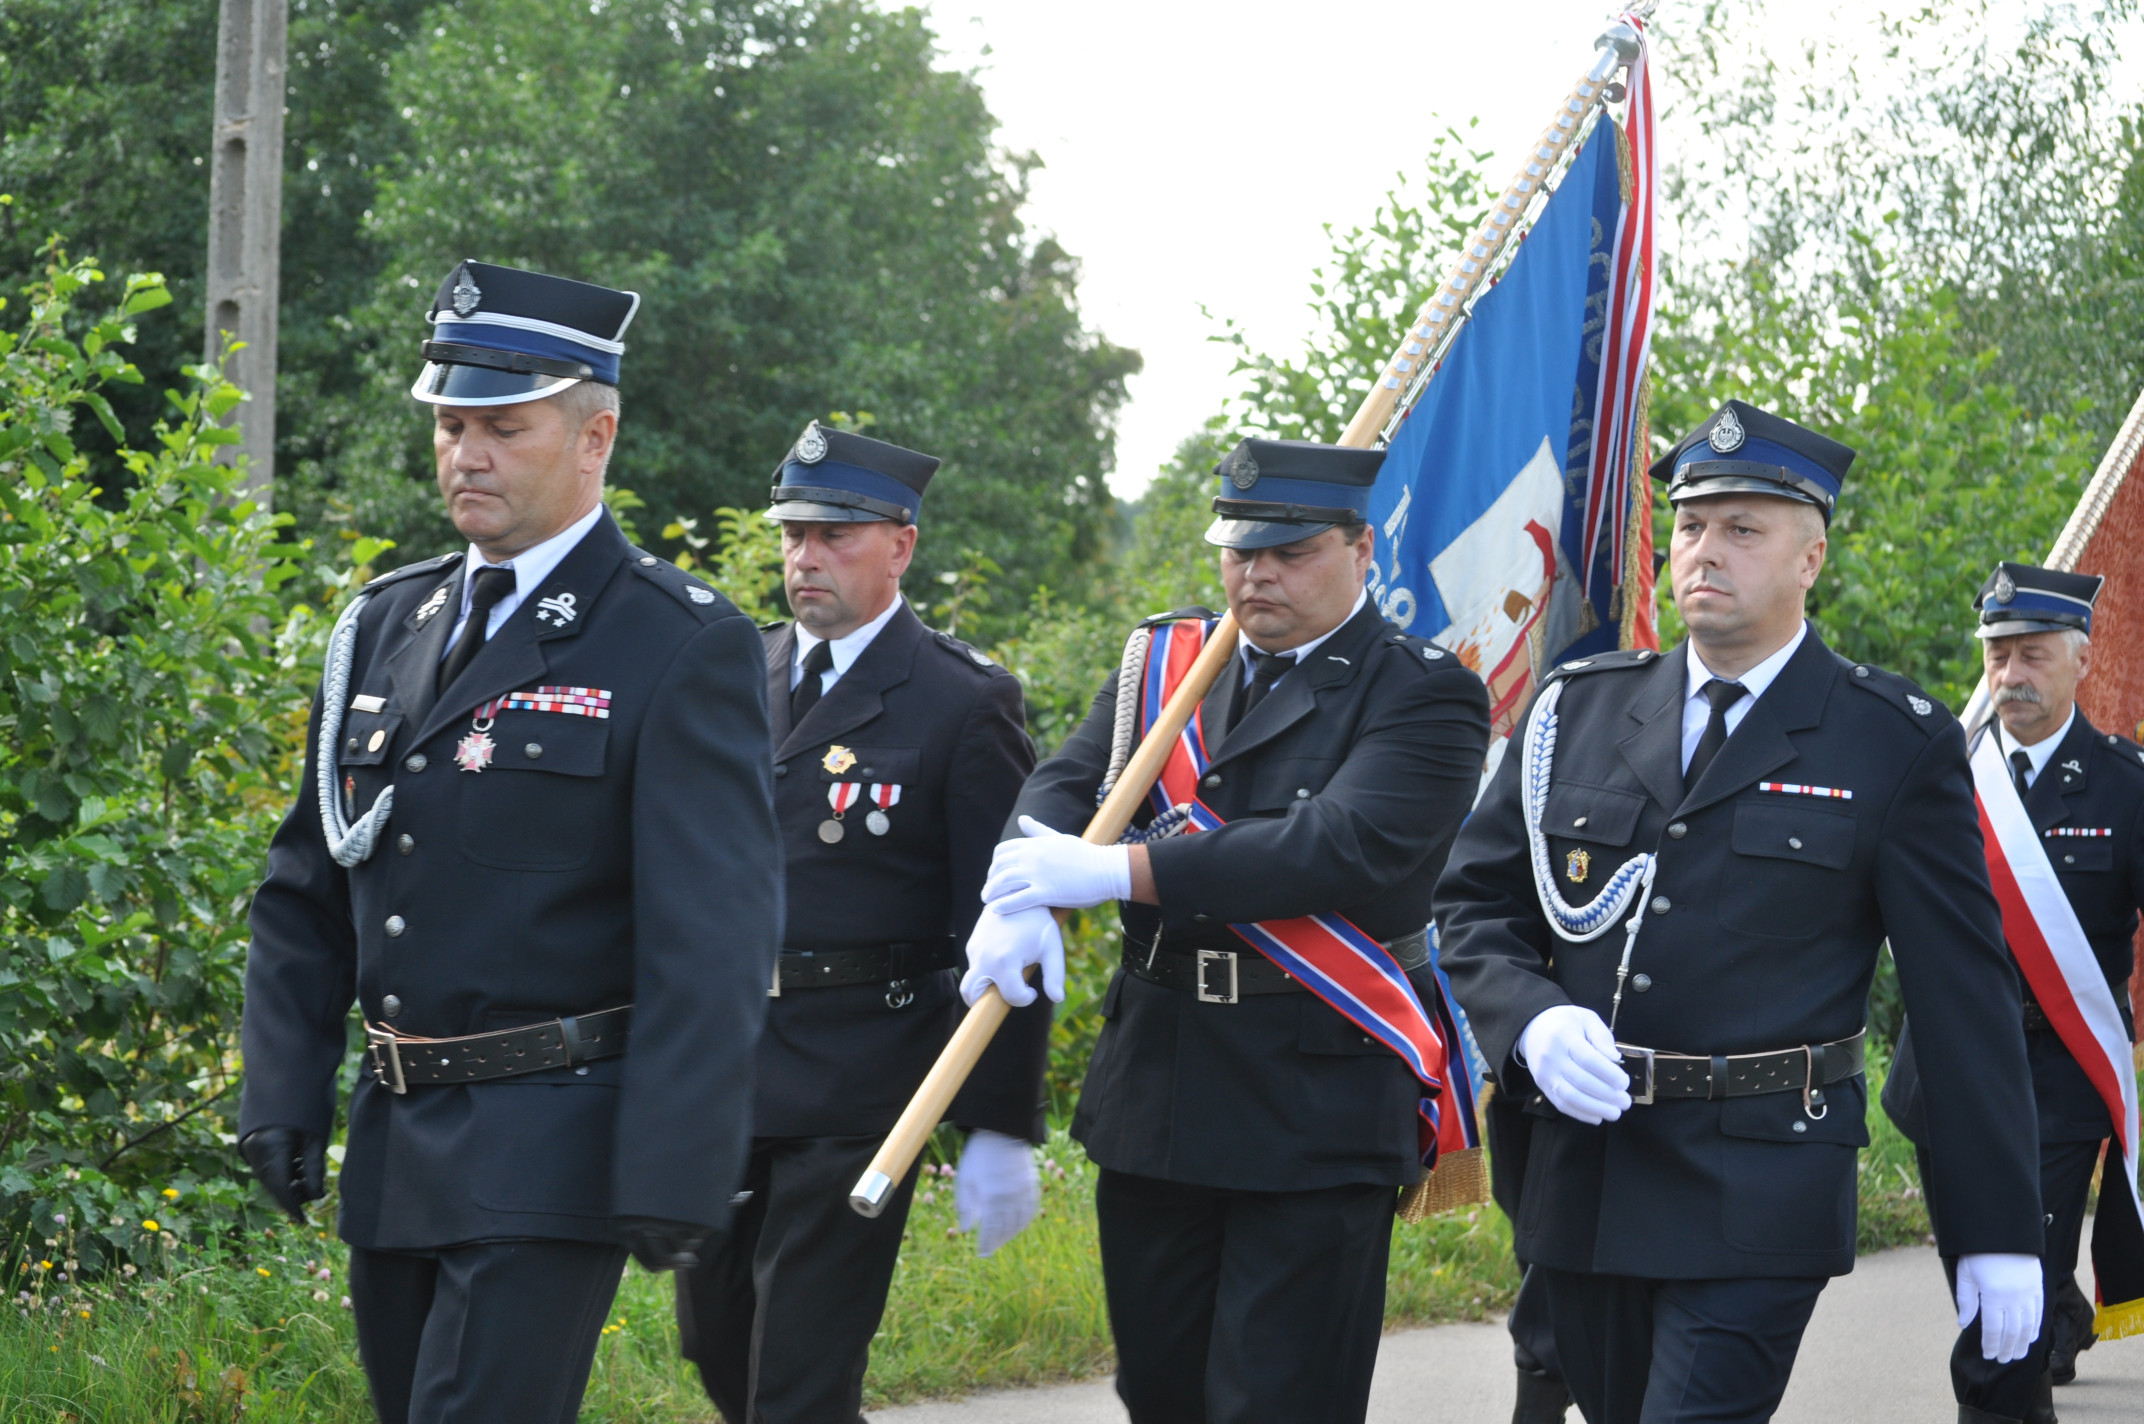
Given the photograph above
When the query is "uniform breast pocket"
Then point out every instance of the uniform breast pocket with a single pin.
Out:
(1589, 830)
(1279, 784)
(538, 805)
(896, 766)
(1783, 880)
(2079, 853)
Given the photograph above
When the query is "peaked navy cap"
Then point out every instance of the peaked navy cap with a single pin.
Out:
(1744, 450)
(2025, 598)
(501, 334)
(1275, 492)
(839, 477)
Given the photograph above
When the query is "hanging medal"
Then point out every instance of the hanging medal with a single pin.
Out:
(841, 796)
(883, 798)
(474, 752)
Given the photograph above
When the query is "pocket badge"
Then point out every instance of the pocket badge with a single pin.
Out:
(1577, 866)
(838, 760)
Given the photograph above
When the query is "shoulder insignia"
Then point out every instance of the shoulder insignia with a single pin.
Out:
(967, 652)
(1179, 615)
(1424, 652)
(708, 603)
(2123, 752)
(410, 571)
(1618, 660)
(1900, 692)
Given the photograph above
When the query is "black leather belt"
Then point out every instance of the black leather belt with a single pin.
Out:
(402, 1061)
(1223, 976)
(1811, 1068)
(873, 964)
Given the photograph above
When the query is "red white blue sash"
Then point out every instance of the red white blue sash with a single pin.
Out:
(1327, 955)
(2050, 947)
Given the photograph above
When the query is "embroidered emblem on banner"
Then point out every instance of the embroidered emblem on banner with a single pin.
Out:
(573, 701)
(838, 759)
(1795, 788)
(557, 609)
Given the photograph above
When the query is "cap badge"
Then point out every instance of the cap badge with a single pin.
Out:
(1244, 471)
(2005, 586)
(466, 294)
(1727, 434)
(838, 759)
(811, 445)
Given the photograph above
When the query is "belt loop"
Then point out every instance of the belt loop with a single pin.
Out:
(1716, 1080)
(569, 1032)
(1813, 1104)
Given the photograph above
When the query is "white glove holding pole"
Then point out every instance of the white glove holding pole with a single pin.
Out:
(2005, 1292)
(1575, 1063)
(1056, 872)
(1001, 949)
(996, 1191)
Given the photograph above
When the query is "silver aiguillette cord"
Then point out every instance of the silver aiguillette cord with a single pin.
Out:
(1630, 942)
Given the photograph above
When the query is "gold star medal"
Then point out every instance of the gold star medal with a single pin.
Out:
(1578, 865)
(838, 759)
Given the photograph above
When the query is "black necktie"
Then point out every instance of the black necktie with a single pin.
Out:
(489, 586)
(2021, 767)
(817, 663)
(1722, 695)
(1266, 669)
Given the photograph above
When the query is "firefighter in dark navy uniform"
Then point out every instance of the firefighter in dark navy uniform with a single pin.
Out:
(1663, 920)
(535, 847)
(1250, 1136)
(898, 753)
(2084, 791)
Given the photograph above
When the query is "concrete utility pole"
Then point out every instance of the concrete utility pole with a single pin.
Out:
(245, 216)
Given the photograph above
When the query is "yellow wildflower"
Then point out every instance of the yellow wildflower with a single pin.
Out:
(171, 1193)
(150, 1225)
(260, 1270)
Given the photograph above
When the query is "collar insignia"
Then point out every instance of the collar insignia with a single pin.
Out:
(1727, 434)
(432, 605)
(557, 609)
(2074, 765)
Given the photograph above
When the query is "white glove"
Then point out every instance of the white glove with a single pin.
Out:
(1575, 1063)
(1002, 947)
(1056, 871)
(996, 1192)
(2005, 1292)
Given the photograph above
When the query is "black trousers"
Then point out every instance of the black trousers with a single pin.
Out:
(1637, 1351)
(498, 1330)
(780, 1314)
(1234, 1307)
(1533, 1333)
(2011, 1390)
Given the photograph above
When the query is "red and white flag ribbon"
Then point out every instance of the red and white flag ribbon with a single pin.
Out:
(2050, 947)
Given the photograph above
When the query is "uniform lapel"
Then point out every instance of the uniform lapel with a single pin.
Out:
(1793, 703)
(413, 665)
(1654, 751)
(557, 608)
(781, 656)
(2047, 800)
(856, 698)
(1295, 696)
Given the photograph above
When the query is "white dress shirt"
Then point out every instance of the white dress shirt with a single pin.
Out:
(2040, 753)
(847, 649)
(1248, 651)
(1696, 711)
(531, 567)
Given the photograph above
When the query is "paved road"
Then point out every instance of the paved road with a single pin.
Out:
(1878, 1349)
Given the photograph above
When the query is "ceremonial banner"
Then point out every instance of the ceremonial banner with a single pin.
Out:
(2050, 947)
(1513, 513)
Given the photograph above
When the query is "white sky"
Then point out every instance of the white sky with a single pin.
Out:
(1194, 150)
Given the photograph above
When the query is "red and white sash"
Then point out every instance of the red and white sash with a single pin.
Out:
(2050, 947)
(1332, 958)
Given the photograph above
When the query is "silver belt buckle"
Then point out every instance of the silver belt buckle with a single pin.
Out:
(1210, 956)
(1628, 1051)
(387, 1066)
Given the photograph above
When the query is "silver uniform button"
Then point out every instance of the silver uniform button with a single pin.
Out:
(391, 1005)
(649, 561)
(1677, 831)
(533, 750)
(782, 770)
(405, 843)
(1302, 793)
(1641, 982)
(1801, 1127)
(1577, 823)
(1213, 778)
(395, 926)
(1662, 904)
(2069, 860)
(415, 762)
(1794, 842)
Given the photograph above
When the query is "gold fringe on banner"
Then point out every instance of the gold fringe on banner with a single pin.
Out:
(1461, 1179)
(1630, 593)
(2113, 1322)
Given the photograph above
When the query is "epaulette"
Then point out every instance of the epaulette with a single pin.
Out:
(1204, 615)
(967, 652)
(1424, 652)
(1903, 693)
(410, 571)
(683, 587)
(2124, 751)
(1602, 662)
